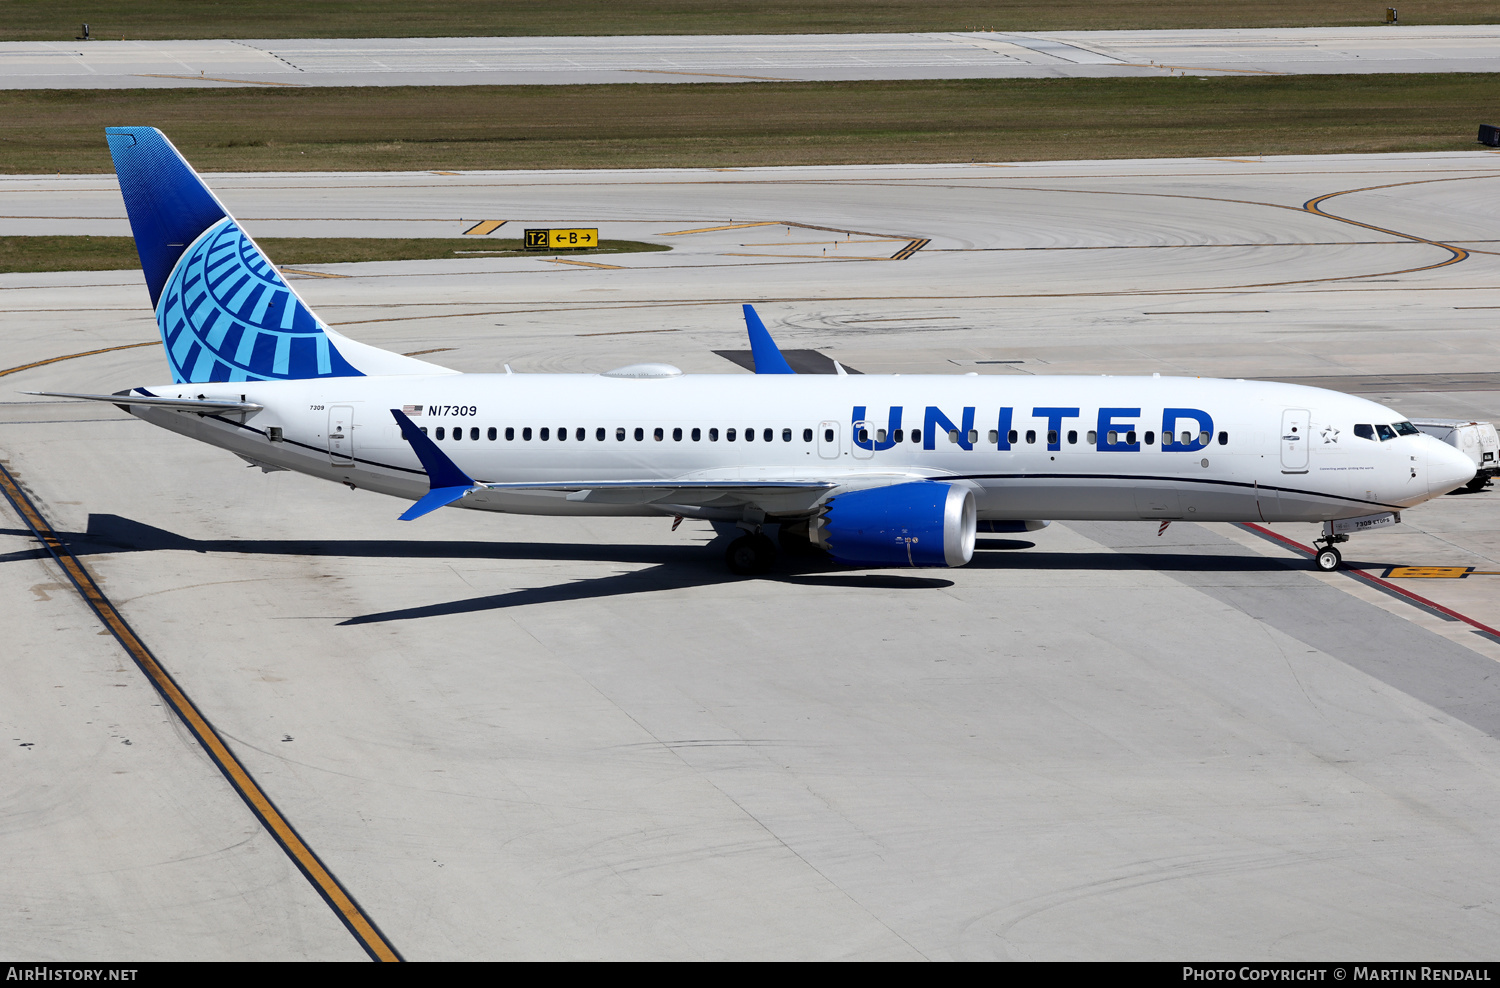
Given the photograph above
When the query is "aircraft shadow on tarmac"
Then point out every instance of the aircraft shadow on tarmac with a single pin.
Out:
(669, 567)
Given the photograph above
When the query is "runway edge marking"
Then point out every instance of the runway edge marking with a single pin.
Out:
(338, 898)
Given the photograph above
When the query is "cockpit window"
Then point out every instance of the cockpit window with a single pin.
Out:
(1407, 429)
(1384, 431)
(1365, 432)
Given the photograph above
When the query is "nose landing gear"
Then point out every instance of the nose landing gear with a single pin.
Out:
(1329, 558)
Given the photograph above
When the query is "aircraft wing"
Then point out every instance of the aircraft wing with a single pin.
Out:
(698, 493)
(790, 495)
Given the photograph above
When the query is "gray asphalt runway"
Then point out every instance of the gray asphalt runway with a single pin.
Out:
(790, 58)
(545, 738)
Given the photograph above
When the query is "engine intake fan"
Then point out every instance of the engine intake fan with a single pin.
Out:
(922, 523)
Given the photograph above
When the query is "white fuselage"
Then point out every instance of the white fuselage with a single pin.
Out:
(1274, 452)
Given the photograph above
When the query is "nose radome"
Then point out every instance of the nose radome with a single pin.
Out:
(1447, 468)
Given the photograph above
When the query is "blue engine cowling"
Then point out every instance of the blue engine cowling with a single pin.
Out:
(923, 523)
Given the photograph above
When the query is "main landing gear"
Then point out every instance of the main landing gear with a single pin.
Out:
(1329, 558)
(750, 554)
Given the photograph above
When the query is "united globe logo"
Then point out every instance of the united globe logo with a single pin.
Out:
(227, 315)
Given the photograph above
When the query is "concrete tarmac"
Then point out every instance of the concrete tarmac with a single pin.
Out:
(545, 738)
(110, 64)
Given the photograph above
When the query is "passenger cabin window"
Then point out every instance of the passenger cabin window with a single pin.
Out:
(864, 436)
(544, 434)
(916, 436)
(1072, 437)
(494, 433)
(749, 435)
(995, 437)
(768, 435)
(474, 433)
(599, 434)
(828, 435)
(1031, 435)
(1223, 439)
(1052, 437)
(1011, 436)
(786, 435)
(697, 435)
(729, 435)
(677, 435)
(898, 435)
(439, 432)
(1384, 432)
(1150, 438)
(807, 435)
(1093, 437)
(713, 435)
(657, 434)
(953, 436)
(620, 434)
(581, 434)
(510, 434)
(562, 435)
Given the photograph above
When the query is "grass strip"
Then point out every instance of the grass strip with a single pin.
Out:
(60, 20)
(85, 253)
(739, 124)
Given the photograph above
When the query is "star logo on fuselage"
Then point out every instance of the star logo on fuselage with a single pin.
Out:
(1330, 435)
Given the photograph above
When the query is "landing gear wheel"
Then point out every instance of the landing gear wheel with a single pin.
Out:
(1329, 559)
(750, 555)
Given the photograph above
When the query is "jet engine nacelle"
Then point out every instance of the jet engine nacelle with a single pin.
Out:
(923, 523)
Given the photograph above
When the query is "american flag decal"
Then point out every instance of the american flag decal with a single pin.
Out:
(411, 409)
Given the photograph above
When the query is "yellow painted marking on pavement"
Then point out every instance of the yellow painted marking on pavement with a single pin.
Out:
(447, 173)
(628, 332)
(313, 274)
(584, 264)
(484, 227)
(711, 229)
(814, 257)
(209, 78)
(73, 356)
(333, 893)
(819, 243)
(1427, 572)
(910, 249)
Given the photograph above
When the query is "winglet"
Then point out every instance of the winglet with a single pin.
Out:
(448, 483)
(768, 359)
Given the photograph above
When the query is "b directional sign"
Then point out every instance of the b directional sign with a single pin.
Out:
(577, 239)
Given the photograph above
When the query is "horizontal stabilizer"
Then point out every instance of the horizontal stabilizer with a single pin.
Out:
(204, 406)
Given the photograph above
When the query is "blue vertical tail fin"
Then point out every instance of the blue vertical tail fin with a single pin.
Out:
(224, 310)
